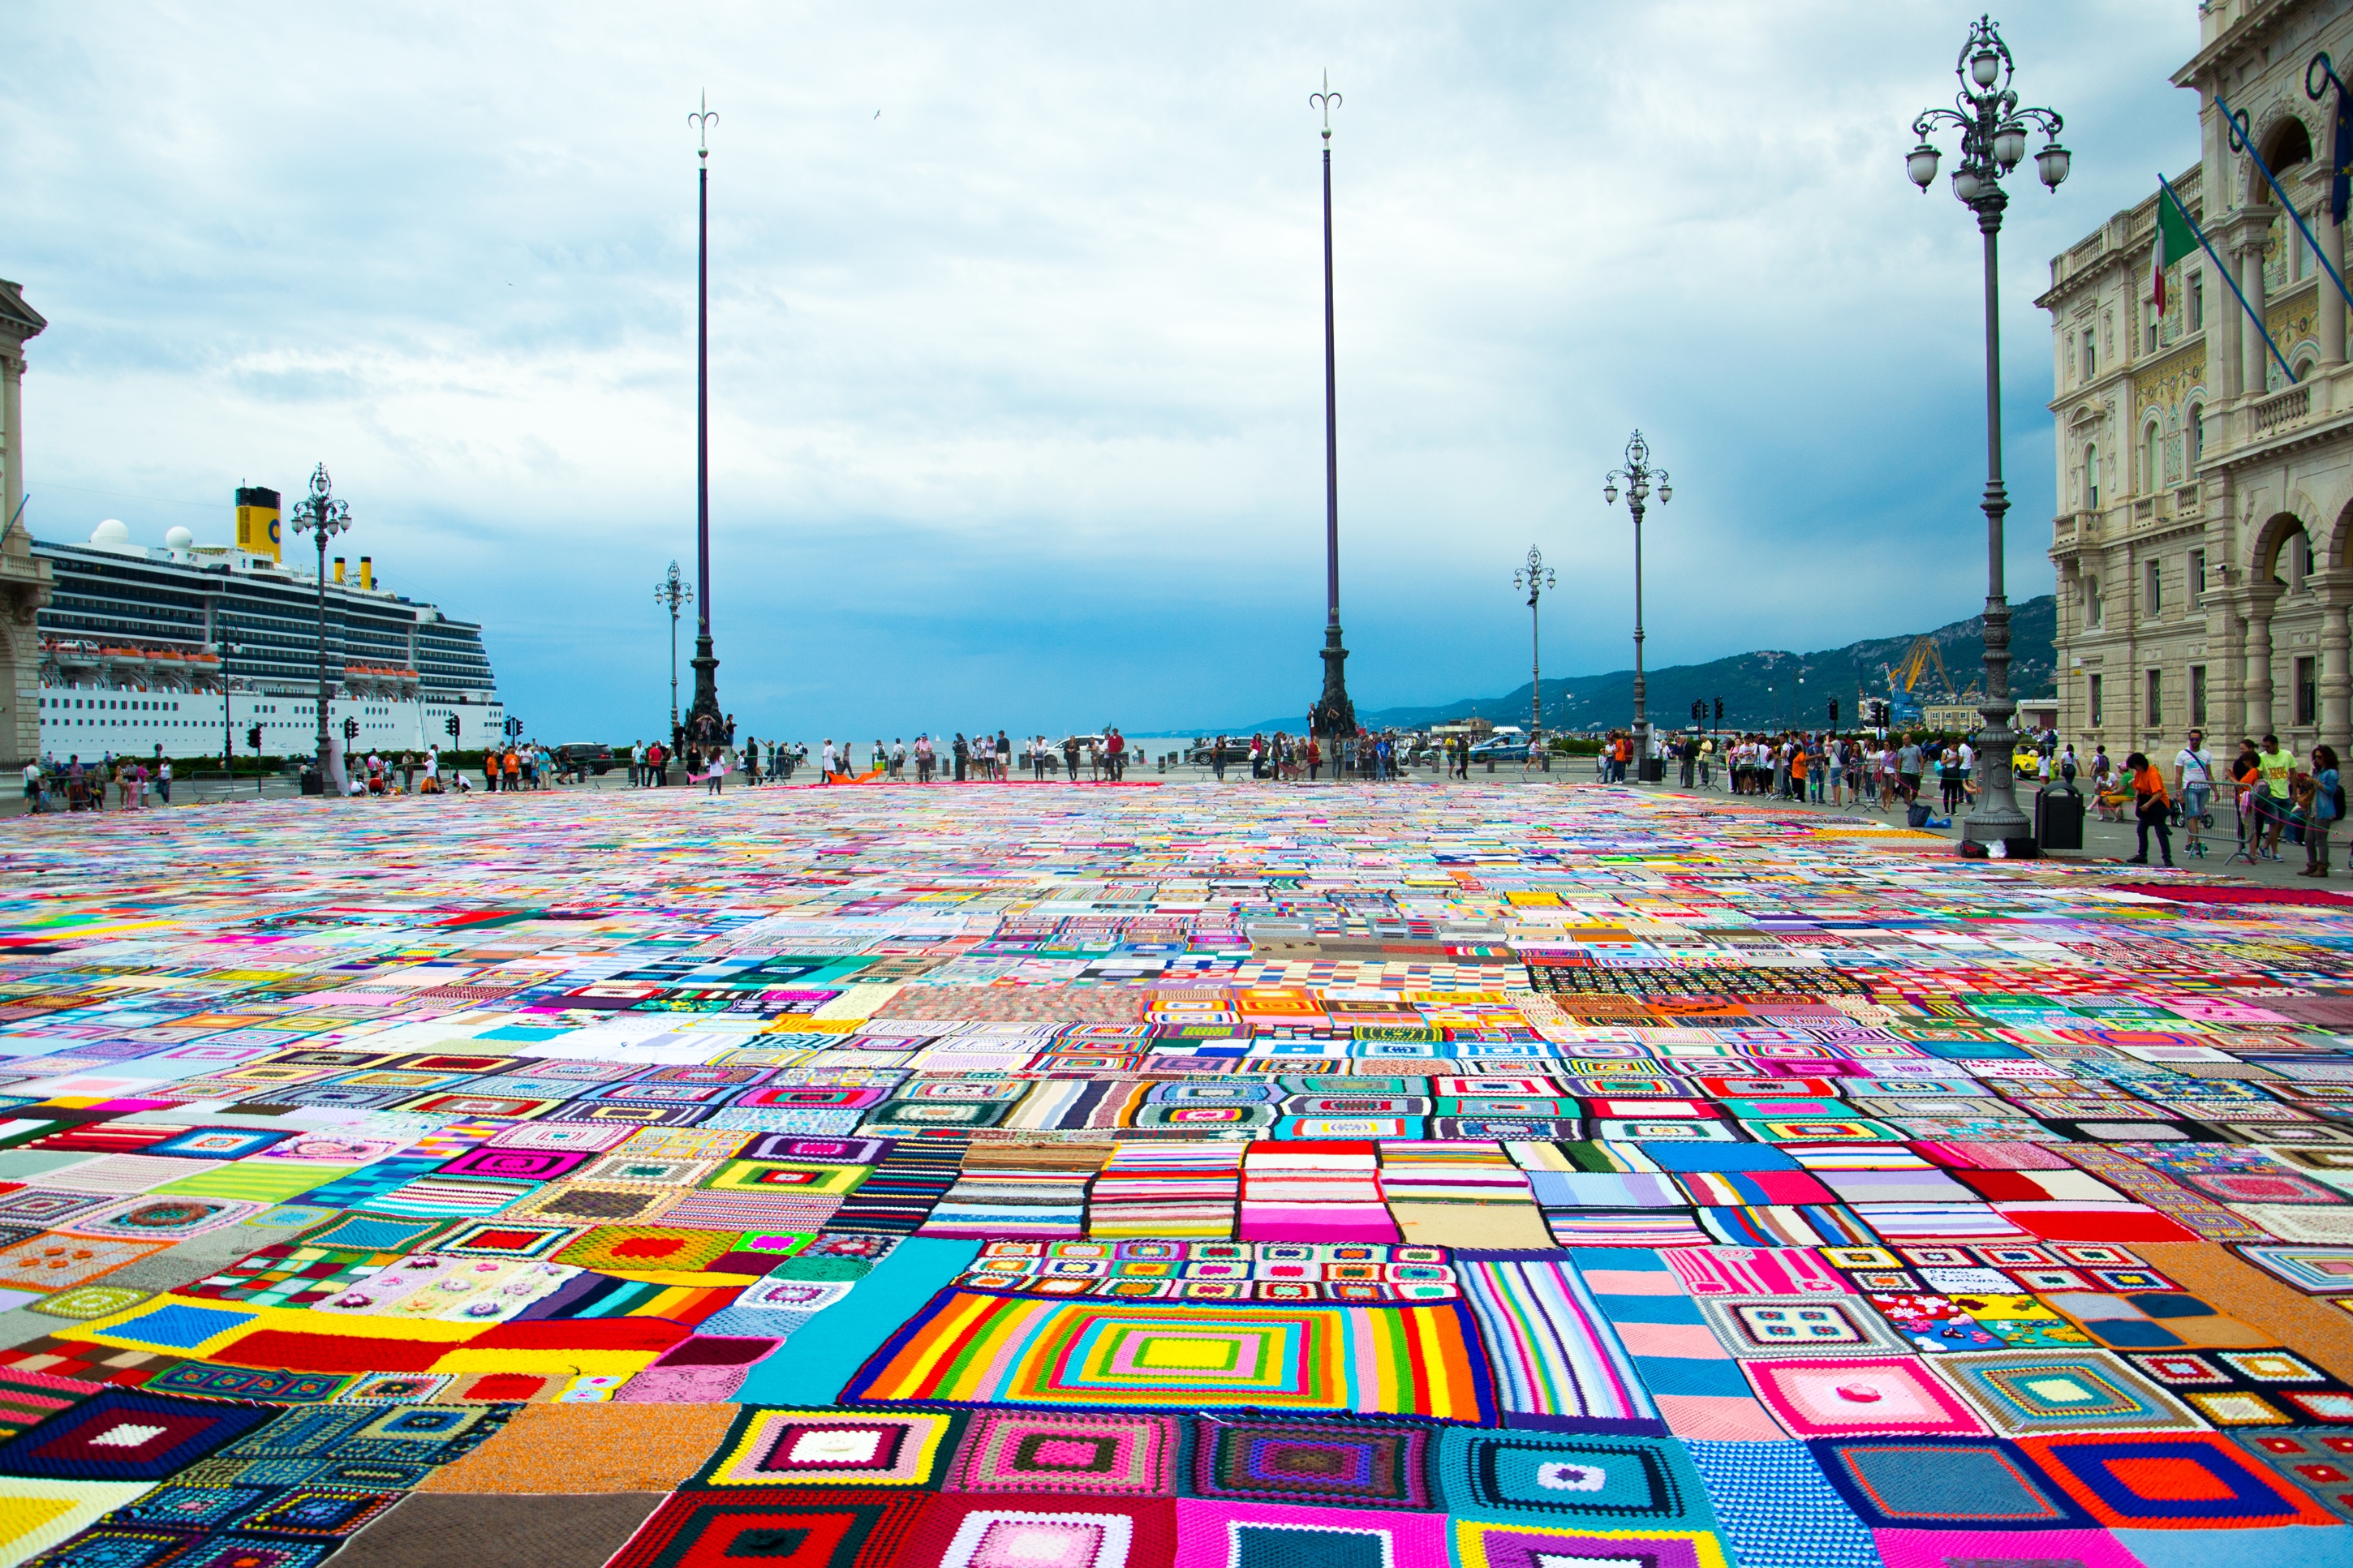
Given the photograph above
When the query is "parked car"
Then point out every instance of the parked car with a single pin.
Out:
(584, 759)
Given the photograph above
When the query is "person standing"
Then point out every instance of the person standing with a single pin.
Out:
(2151, 807)
(2325, 791)
(163, 780)
(2194, 783)
(2275, 775)
(32, 788)
(963, 750)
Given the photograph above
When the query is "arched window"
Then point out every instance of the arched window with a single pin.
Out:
(2302, 370)
(2197, 420)
(2092, 478)
(2149, 476)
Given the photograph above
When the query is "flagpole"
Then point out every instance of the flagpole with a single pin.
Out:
(2166, 186)
(2240, 143)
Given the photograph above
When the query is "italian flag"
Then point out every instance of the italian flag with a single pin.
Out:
(2175, 239)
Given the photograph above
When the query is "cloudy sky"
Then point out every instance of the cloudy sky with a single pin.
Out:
(1016, 332)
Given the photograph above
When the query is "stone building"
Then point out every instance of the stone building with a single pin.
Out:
(2203, 536)
(24, 581)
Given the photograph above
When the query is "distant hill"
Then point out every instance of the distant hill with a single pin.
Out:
(1758, 688)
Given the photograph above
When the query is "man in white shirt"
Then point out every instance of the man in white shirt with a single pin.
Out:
(2193, 786)
(826, 763)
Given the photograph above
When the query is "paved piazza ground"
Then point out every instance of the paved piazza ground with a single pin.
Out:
(1041, 1177)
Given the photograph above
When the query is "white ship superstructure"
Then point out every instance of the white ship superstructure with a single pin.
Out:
(188, 646)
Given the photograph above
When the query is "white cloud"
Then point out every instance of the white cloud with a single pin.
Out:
(1018, 388)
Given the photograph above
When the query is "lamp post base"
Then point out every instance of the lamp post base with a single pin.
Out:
(706, 726)
(1335, 717)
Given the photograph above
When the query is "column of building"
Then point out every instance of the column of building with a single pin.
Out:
(24, 578)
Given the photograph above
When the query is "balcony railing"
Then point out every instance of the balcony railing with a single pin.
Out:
(2286, 408)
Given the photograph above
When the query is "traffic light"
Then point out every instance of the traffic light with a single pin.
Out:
(253, 737)
(1719, 712)
(1699, 711)
(350, 729)
(451, 724)
(1833, 712)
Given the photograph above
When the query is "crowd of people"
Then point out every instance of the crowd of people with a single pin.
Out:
(77, 785)
(1881, 773)
(1285, 757)
(980, 758)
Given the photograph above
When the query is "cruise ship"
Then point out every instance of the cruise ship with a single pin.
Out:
(187, 648)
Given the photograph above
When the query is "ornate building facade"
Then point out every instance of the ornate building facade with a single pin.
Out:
(24, 581)
(2203, 534)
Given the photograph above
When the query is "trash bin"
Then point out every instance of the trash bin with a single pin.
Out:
(1654, 770)
(2059, 817)
(311, 784)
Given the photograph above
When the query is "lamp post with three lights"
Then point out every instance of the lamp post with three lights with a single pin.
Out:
(322, 516)
(1993, 143)
(1637, 476)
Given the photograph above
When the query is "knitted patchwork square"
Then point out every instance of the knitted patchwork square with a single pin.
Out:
(1072, 1453)
(120, 1436)
(1326, 1462)
(159, 1218)
(2184, 1480)
(2021, 1392)
(1030, 1538)
(2319, 1463)
(60, 1262)
(647, 1170)
(641, 1248)
(451, 1197)
(810, 1529)
(218, 1142)
(590, 1137)
(507, 1239)
(1751, 1326)
(517, 1165)
(1859, 1397)
(314, 1513)
(787, 1179)
(768, 1447)
(595, 1203)
(1943, 1483)
(374, 1233)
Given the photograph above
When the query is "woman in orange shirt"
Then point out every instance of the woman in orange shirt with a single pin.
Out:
(2151, 807)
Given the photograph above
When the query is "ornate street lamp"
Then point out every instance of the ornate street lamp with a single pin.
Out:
(1637, 476)
(1334, 716)
(1993, 143)
(672, 592)
(322, 516)
(1533, 577)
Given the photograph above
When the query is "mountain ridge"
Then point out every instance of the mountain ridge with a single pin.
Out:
(1760, 688)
